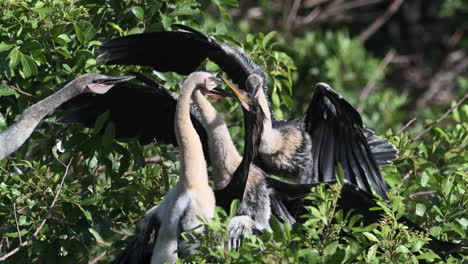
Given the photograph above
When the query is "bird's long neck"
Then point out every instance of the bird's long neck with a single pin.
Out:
(270, 139)
(15, 135)
(235, 189)
(223, 154)
(193, 164)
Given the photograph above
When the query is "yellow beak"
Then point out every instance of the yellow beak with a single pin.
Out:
(242, 97)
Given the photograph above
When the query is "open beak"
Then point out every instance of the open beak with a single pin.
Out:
(243, 99)
(116, 79)
(102, 86)
(217, 92)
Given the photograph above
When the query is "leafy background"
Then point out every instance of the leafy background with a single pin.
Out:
(413, 66)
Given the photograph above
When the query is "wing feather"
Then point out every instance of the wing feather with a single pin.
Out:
(181, 52)
(335, 126)
(137, 111)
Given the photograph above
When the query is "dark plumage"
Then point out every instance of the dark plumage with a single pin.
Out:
(182, 52)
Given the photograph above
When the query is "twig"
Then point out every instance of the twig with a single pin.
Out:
(49, 212)
(406, 125)
(366, 34)
(17, 224)
(20, 91)
(371, 83)
(455, 64)
(155, 159)
(313, 3)
(440, 119)
(96, 259)
(407, 175)
(424, 193)
(292, 16)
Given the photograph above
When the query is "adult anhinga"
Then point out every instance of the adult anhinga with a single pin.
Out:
(16, 134)
(307, 149)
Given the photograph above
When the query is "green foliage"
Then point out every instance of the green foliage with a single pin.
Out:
(109, 185)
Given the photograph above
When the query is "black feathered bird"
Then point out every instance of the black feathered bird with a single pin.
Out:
(307, 149)
(330, 133)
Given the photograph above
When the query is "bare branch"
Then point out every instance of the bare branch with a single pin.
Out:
(292, 16)
(407, 175)
(409, 123)
(455, 64)
(430, 127)
(371, 83)
(424, 193)
(366, 34)
(96, 259)
(49, 212)
(20, 91)
(17, 224)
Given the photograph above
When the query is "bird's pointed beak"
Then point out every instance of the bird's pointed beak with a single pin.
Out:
(243, 99)
(217, 92)
(102, 86)
(117, 79)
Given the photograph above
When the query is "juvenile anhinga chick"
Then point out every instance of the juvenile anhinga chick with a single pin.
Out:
(15, 135)
(192, 198)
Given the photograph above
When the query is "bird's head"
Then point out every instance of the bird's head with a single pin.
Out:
(253, 112)
(97, 83)
(209, 85)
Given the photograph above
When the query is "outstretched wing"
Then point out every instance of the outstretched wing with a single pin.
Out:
(336, 131)
(138, 111)
(179, 51)
(384, 152)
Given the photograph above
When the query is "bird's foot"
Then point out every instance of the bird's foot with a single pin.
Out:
(238, 227)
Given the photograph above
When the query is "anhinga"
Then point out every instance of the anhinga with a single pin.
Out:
(299, 149)
(331, 131)
(240, 173)
(15, 135)
(192, 197)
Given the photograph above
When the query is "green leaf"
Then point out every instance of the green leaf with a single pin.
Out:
(92, 200)
(97, 236)
(85, 31)
(29, 66)
(3, 124)
(234, 206)
(340, 174)
(5, 47)
(267, 38)
(14, 56)
(370, 236)
(138, 12)
(420, 209)
(30, 46)
(6, 91)
(233, 3)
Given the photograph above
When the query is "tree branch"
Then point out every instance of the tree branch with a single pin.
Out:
(431, 126)
(366, 34)
(49, 212)
(366, 91)
(409, 123)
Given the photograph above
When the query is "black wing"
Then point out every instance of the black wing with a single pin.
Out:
(336, 131)
(137, 111)
(181, 52)
(140, 249)
(384, 152)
